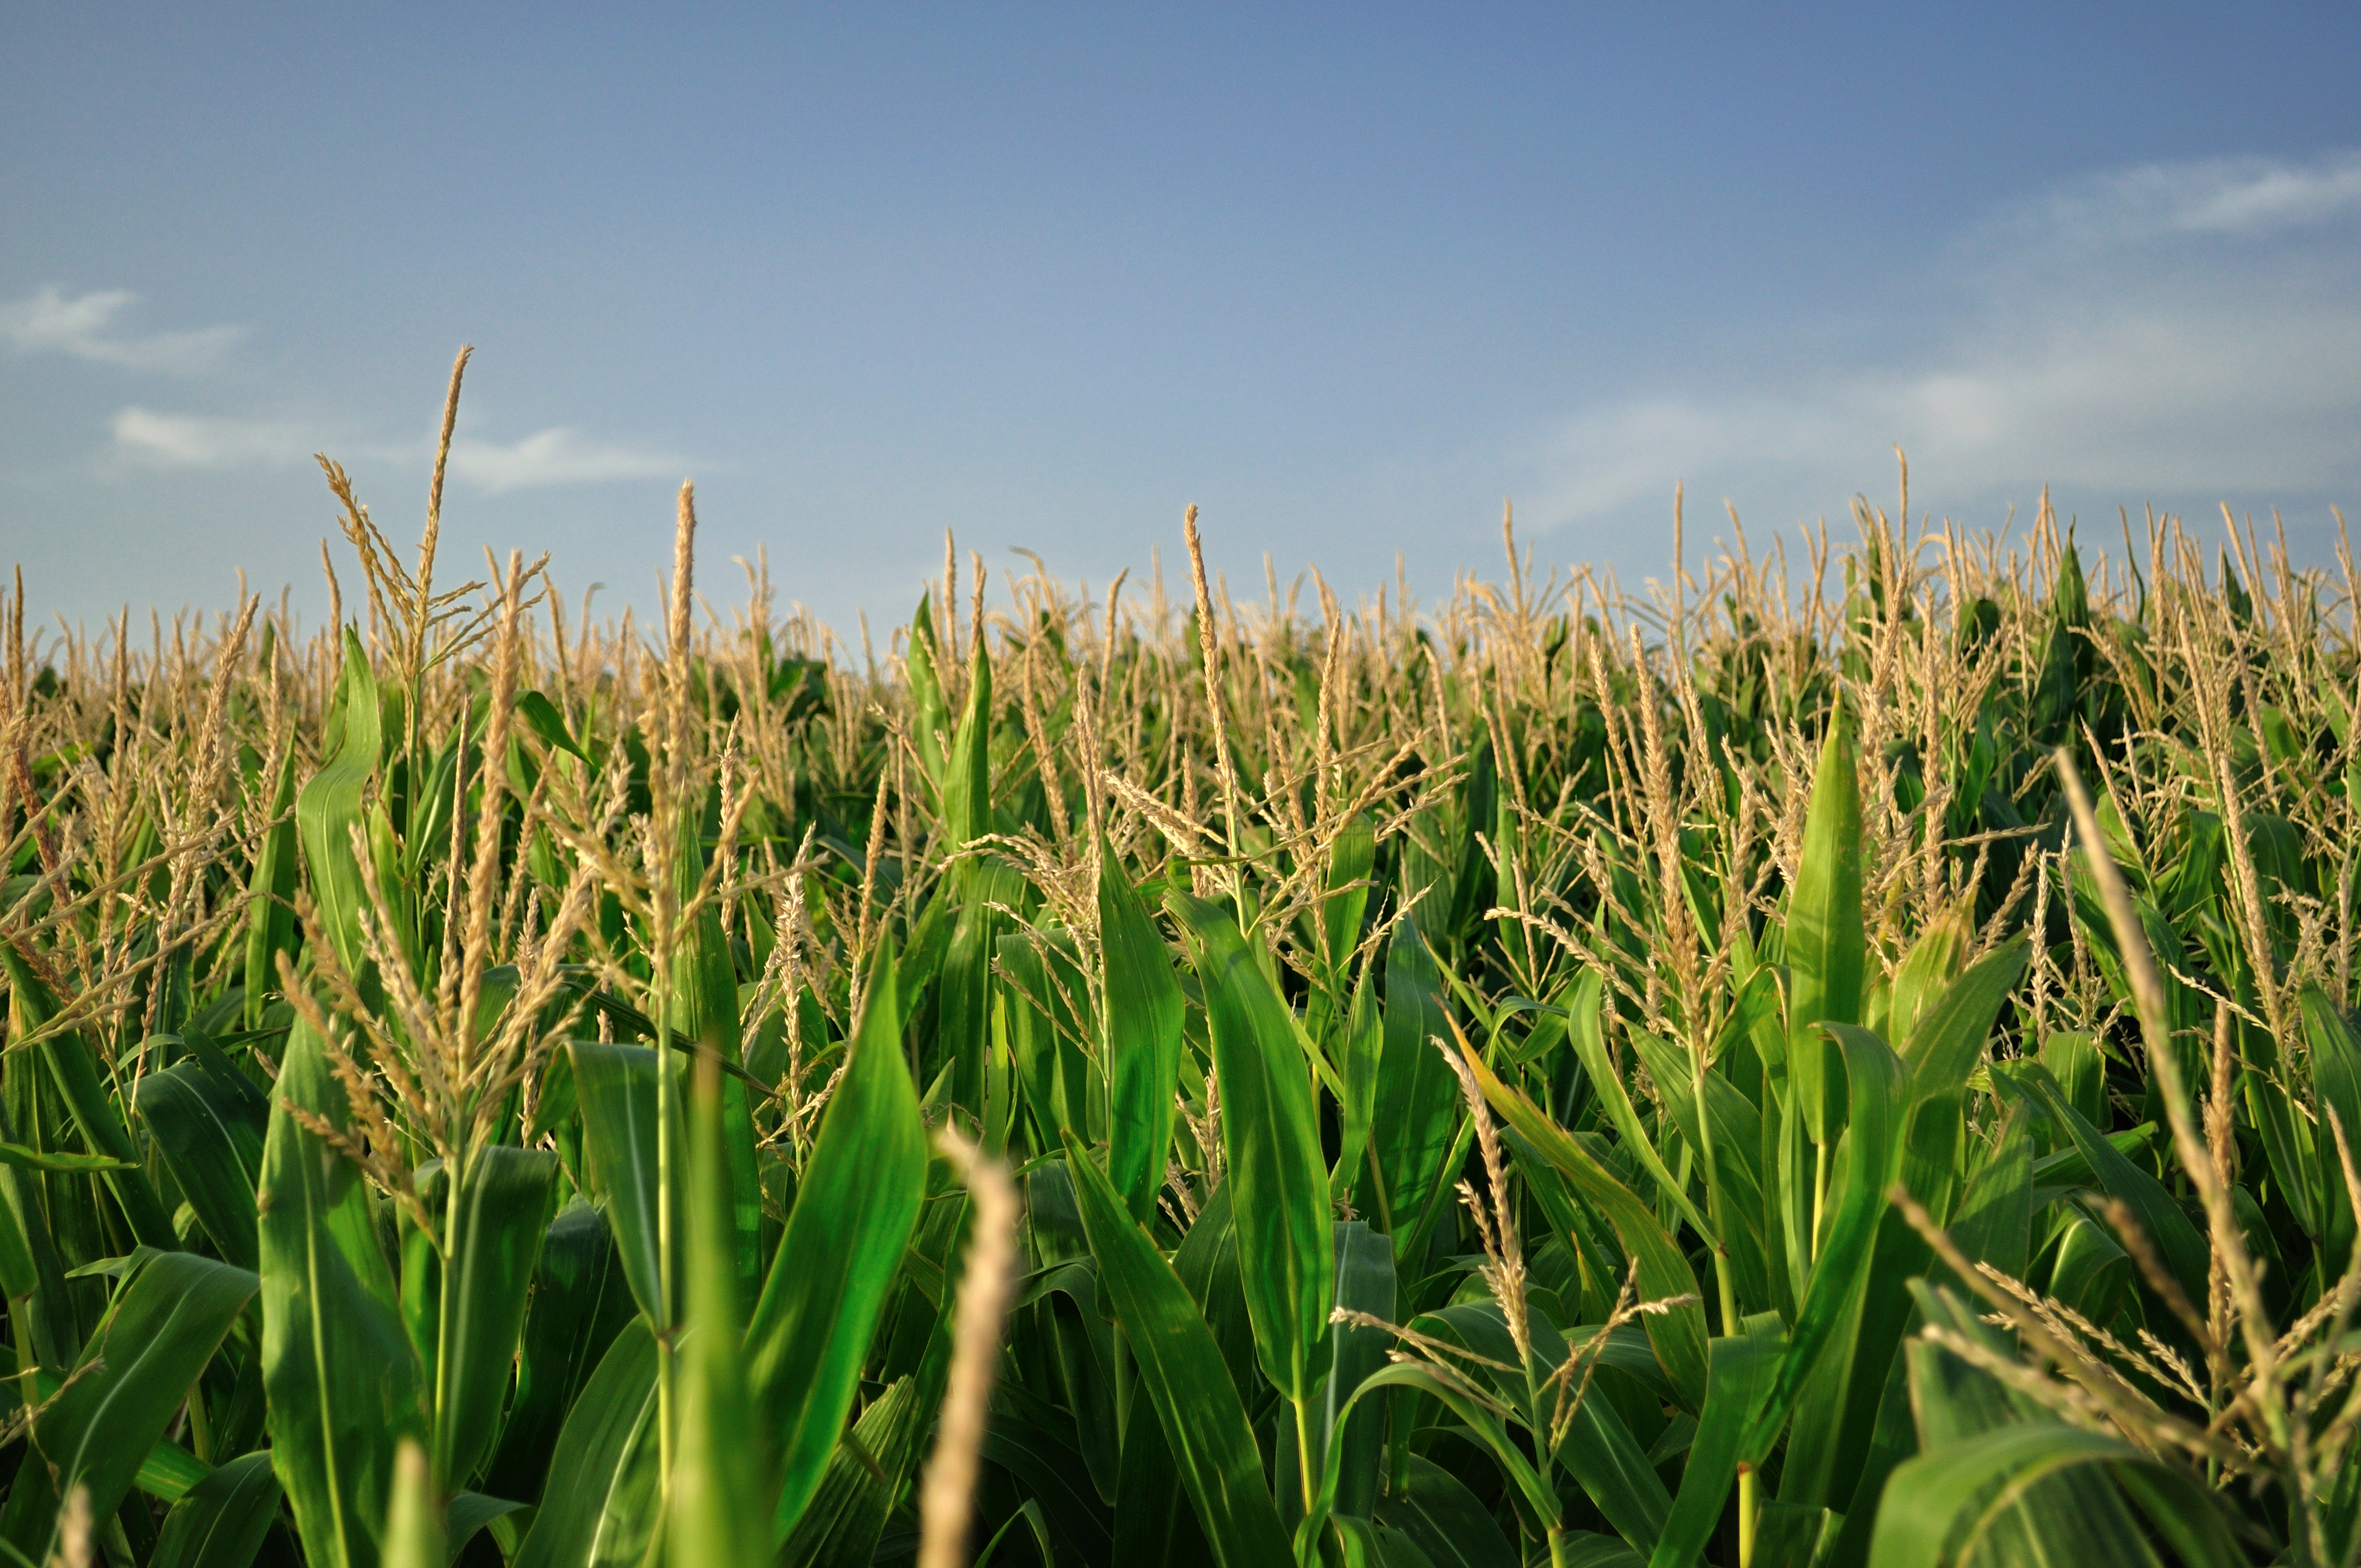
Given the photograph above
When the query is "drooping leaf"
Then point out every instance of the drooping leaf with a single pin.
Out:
(1678, 1334)
(1444, 1521)
(211, 1139)
(166, 1323)
(221, 1522)
(2185, 1252)
(1938, 1506)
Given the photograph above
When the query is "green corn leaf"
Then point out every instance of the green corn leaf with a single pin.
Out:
(329, 807)
(20, 1267)
(1946, 1047)
(965, 995)
(1877, 1094)
(25, 1158)
(1590, 1045)
(494, 1240)
(1925, 972)
(1207, 1263)
(1181, 1367)
(467, 1513)
(2184, 1251)
(31, 1271)
(1995, 1219)
(927, 693)
(723, 1494)
(580, 1302)
(1081, 1349)
(542, 717)
(1154, 1523)
(211, 1136)
(855, 1210)
(1736, 1190)
(1143, 1039)
(1598, 1449)
(1344, 901)
(1051, 1069)
(1368, 1544)
(1271, 1134)
(1416, 1103)
(1364, 1047)
(1678, 1334)
(343, 1383)
(1950, 1400)
(1365, 1282)
(165, 1323)
(1827, 950)
(848, 1514)
(1054, 1476)
(599, 1508)
(2336, 1075)
(1744, 1369)
(616, 1087)
(270, 891)
(1949, 1042)
(73, 1067)
(967, 777)
(168, 1472)
(221, 1520)
(1480, 1419)
(1938, 1506)
(1443, 1520)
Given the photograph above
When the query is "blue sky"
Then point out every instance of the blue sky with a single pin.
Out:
(1345, 277)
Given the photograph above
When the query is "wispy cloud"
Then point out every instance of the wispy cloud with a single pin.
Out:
(2171, 330)
(88, 327)
(554, 456)
(189, 441)
(2238, 196)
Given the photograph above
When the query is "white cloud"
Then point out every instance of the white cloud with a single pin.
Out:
(187, 441)
(2173, 330)
(85, 327)
(554, 456)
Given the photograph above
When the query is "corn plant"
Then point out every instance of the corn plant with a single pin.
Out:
(1849, 1064)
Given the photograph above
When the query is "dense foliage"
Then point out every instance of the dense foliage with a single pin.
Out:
(1548, 1077)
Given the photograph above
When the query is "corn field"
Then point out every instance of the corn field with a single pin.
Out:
(1835, 1062)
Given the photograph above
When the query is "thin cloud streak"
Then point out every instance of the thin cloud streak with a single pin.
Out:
(557, 456)
(554, 456)
(85, 327)
(190, 441)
